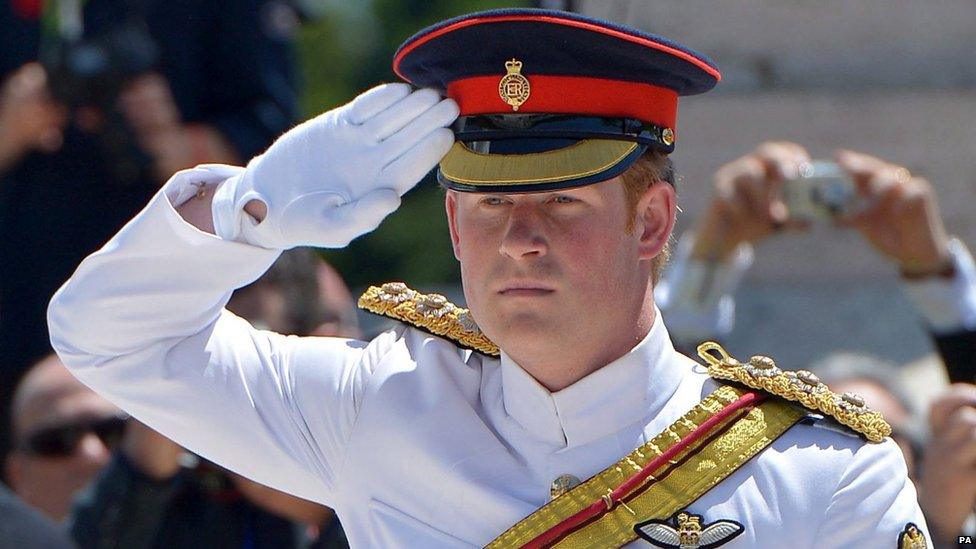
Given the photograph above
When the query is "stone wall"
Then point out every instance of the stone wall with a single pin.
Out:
(896, 79)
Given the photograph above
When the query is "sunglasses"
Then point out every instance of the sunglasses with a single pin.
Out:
(63, 440)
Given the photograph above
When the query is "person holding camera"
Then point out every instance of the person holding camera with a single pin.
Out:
(100, 105)
(896, 212)
(900, 219)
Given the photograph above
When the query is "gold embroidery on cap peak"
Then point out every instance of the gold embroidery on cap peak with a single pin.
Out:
(514, 88)
(801, 386)
(431, 312)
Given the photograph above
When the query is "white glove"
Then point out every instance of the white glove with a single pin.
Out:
(336, 176)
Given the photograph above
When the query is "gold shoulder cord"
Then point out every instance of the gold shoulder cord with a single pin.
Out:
(430, 312)
(800, 386)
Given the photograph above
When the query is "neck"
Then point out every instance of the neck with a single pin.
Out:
(571, 359)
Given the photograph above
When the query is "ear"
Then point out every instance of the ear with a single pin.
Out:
(450, 205)
(655, 218)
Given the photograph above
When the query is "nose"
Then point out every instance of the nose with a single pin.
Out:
(92, 451)
(523, 236)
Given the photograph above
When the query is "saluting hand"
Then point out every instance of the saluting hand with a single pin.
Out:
(337, 176)
(902, 219)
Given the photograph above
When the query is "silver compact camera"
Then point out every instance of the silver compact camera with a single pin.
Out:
(822, 192)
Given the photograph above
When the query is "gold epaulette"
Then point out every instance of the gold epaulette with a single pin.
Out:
(801, 386)
(430, 312)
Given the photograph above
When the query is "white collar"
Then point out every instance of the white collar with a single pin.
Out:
(635, 387)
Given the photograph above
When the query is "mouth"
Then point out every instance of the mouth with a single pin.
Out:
(526, 289)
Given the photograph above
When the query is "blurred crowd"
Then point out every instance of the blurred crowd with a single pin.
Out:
(113, 482)
(102, 101)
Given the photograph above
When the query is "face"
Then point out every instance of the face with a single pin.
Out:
(59, 417)
(558, 271)
(264, 306)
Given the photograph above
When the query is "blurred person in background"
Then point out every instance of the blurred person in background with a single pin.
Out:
(947, 487)
(301, 294)
(24, 527)
(339, 305)
(64, 435)
(900, 219)
(100, 102)
(155, 494)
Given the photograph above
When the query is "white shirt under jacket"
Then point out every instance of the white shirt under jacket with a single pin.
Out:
(413, 441)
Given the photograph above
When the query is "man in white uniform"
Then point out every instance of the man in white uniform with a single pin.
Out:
(560, 223)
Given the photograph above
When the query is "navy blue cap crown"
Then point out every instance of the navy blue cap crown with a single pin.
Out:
(536, 86)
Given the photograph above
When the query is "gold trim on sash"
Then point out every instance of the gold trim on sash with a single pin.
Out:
(692, 474)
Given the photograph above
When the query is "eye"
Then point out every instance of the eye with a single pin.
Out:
(563, 199)
(493, 201)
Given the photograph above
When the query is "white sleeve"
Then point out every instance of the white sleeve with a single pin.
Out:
(141, 321)
(874, 502)
(697, 298)
(948, 305)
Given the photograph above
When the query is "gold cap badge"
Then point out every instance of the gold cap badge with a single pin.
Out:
(514, 88)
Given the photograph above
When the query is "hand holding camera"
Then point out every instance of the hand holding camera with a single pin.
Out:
(747, 204)
(778, 187)
(901, 217)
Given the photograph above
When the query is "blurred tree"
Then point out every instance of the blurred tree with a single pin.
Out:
(348, 50)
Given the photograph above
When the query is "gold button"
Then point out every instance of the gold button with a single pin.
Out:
(561, 485)
(808, 377)
(667, 136)
(435, 301)
(853, 399)
(394, 288)
(762, 362)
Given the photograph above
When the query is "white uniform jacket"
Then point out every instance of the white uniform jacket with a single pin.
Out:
(412, 440)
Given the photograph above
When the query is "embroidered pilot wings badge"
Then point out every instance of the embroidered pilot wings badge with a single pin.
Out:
(689, 534)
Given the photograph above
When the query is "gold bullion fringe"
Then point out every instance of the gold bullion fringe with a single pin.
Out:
(800, 386)
(431, 312)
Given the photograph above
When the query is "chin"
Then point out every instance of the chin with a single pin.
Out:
(516, 328)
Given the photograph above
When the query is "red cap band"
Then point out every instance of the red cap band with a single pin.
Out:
(571, 95)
